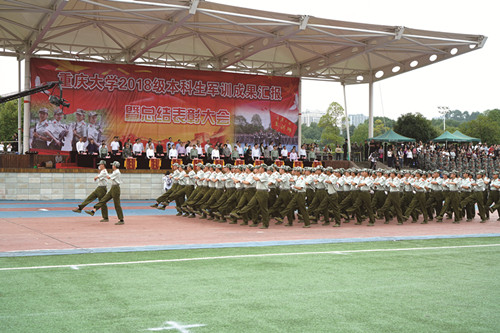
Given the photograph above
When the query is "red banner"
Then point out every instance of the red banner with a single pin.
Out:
(131, 102)
(282, 124)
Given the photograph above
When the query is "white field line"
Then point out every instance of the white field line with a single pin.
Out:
(76, 266)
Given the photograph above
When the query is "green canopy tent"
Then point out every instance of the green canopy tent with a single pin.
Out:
(391, 136)
(463, 136)
(448, 137)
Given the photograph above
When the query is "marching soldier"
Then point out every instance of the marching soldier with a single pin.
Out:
(393, 201)
(99, 192)
(298, 201)
(113, 193)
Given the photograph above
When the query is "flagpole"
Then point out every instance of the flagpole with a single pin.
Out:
(347, 126)
(299, 141)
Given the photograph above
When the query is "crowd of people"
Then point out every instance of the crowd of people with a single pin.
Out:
(461, 157)
(189, 151)
(330, 196)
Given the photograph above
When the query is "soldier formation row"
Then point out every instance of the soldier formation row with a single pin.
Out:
(257, 194)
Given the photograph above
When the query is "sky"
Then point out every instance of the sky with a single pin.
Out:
(467, 82)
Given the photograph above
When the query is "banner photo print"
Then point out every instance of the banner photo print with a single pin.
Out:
(139, 102)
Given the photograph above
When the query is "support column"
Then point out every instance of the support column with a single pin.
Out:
(27, 105)
(19, 111)
(370, 110)
(347, 125)
(299, 141)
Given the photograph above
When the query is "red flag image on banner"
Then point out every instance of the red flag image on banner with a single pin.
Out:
(282, 124)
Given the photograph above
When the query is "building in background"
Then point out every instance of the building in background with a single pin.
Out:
(356, 119)
(312, 116)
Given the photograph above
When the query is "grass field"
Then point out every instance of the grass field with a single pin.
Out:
(448, 285)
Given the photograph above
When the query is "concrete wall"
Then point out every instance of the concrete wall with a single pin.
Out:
(53, 186)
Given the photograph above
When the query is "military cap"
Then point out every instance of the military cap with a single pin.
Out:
(199, 165)
(218, 166)
(80, 112)
(92, 114)
(43, 110)
(103, 162)
(116, 164)
(58, 111)
(175, 164)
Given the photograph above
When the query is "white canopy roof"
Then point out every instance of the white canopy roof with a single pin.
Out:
(209, 36)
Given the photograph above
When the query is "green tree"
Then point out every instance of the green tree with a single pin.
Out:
(311, 133)
(415, 126)
(361, 132)
(484, 128)
(330, 122)
(8, 120)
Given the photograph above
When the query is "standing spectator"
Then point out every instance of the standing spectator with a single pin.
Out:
(284, 153)
(2, 148)
(9, 148)
(138, 147)
(115, 145)
(373, 160)
(80, 146)
(150, 151)
(345, 150)
(173, 152)
(127, 151)
(293, 155)
(92, 147)
(338, 153)
(159, 149)
(103, 150)
(215, 154)
(255, 152)
(390, 157)
(193, 153)
(303, 152)
(409, 157)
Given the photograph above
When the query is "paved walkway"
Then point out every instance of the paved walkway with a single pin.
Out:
(50, 227)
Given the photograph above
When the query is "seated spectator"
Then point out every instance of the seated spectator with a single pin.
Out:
(103, 150)
(92, 147)
(58, 158)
